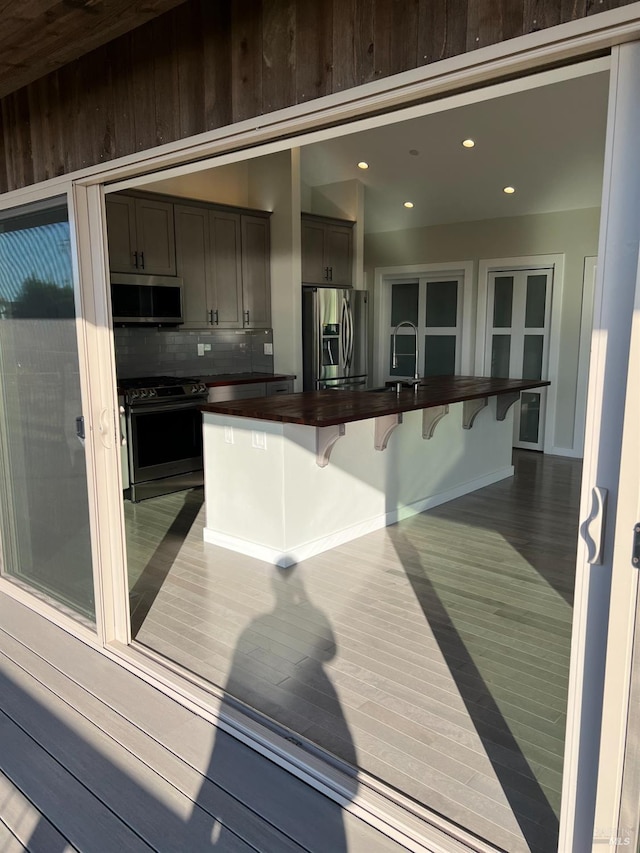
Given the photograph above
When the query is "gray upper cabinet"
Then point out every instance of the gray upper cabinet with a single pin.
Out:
(327, 250)
(141, 235)
(256, 280)
(223, 258)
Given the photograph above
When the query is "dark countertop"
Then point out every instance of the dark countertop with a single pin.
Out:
(243, 378)
(327, 408)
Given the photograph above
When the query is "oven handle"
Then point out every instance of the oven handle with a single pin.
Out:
(156, 408)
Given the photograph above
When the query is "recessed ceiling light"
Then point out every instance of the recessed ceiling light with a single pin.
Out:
(414, 152)
(363, 165)
(509, 190)
(408, 204)
(468, 143)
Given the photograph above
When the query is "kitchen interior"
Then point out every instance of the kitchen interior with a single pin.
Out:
(389, 654)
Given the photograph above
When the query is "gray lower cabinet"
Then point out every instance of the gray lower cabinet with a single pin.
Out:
(140, 235)
(283, 387)
(220, 393)
(224, 260)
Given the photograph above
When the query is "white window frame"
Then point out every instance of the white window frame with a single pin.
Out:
(384, 277)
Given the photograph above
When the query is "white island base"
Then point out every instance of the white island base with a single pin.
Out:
(282, 492)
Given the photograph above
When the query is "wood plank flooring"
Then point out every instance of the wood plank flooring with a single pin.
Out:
(432, 654)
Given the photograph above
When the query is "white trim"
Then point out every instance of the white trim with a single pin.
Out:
(326, 543)
(532, 262)
(584, 350)
(613, 309)
(383, 276)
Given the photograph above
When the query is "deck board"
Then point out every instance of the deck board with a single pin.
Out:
(164, 777)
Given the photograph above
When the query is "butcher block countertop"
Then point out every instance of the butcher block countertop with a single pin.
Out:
(328, 408)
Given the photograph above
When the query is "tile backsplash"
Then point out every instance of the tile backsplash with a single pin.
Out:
(148, 351)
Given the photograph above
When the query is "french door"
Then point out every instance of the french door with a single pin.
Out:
(519, 319)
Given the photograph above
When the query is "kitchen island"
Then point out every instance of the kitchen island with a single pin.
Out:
(292, 476)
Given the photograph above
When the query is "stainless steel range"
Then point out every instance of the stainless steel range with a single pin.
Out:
(163, 426)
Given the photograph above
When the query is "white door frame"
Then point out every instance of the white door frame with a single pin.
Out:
(531, 262)
(385, 276)
(607, 396)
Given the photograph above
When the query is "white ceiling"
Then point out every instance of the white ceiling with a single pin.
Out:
(547, 142)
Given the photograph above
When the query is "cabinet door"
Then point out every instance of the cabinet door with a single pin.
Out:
(155, 237)
(221, 393)
(314, 269)
(192, 254)
(338, 253)
(256, 277)
(225, 290)
(121, 233)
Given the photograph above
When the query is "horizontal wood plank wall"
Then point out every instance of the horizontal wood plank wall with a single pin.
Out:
(207, 64)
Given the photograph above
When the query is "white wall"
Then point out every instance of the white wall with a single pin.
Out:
(223, 184)
(274, 185)
(572, 233)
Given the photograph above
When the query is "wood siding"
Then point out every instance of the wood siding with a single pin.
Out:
(207, 64)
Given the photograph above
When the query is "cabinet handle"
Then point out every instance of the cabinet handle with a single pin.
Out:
(246, 318)
(215, 317)
(210, 312)
(142, 259)
(326, 273)
(330, 273)
(135, 260)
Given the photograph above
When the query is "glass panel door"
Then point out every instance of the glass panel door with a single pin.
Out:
(426, 323)
(518, 343)
(44, 514)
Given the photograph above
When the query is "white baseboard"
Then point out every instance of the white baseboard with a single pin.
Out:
(304, 551)
(565, 451)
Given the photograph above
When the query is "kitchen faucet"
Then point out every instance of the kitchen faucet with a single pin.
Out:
(394, 358)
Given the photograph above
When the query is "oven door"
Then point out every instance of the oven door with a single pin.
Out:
(165, 441)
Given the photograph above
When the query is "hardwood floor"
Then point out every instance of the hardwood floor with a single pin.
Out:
(432, 654)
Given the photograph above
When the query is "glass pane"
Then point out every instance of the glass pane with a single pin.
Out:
(405, 352)
(529, 417)
(532, 358)
(44, 515)
(503, 301)
(500, 353)
(442, 304)
(536, 296)
(439, 355)
(404, 302)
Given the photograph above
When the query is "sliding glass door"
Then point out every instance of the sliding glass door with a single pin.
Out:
(44, 513)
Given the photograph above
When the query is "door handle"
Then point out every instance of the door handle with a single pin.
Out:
(104, 427)
(593, 528)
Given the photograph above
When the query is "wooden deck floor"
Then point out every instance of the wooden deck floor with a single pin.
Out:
(432, 654)
(94, 759)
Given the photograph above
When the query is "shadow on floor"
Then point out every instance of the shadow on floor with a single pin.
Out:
(150, 581)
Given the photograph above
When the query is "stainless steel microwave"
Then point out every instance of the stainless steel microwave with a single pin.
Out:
(150, 299)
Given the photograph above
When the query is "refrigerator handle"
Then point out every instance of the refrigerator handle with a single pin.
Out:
(349, 349)
(317, 356)
(344, 333)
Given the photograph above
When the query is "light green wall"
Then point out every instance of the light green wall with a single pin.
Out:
(572, 233)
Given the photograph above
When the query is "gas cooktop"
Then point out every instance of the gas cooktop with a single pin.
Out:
(142, 389)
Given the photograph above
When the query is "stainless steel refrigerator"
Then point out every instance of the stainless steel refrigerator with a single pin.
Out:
(334, 338)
